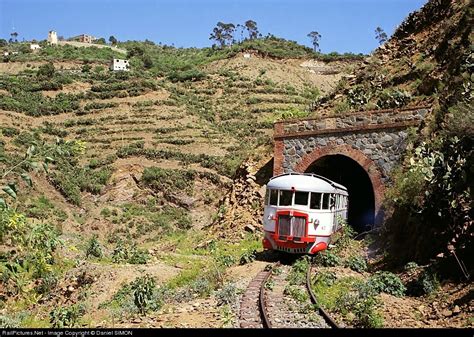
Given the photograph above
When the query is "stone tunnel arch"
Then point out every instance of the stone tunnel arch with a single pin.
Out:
(350, 167)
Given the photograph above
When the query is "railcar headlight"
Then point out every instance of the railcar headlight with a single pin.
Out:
(315, 223)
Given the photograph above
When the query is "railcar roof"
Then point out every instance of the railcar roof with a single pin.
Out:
(305, 182)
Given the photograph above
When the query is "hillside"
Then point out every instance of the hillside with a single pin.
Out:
(151, 182)
(138, 163)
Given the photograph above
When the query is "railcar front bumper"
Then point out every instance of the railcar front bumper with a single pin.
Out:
(295, 245)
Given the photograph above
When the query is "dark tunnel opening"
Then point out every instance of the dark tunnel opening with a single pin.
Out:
(349, 173)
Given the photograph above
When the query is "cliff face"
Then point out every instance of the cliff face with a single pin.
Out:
(425, 61)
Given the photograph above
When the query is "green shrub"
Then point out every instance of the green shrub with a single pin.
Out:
(327, 259)
(143, 289)
(362, 303)
(356, 263)
(129, 253)
(411, 266)
(168, 180)
(46, 70)
(47, 284)
(326, 278)
(94, 248)
(429, 282)
(248, 257)
(226, 260)
(187, 75)
(66, 317)
(8, 322)
(202, 286)
(298, 271)
(105, 212)
(392, 98)
(9, 132)
(227, 295)
(296, 292)
(387, 282)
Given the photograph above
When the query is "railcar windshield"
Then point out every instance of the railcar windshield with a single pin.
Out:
(301, 198)
(326, 201)
(274, 197)
(285, 198)
(315, 200)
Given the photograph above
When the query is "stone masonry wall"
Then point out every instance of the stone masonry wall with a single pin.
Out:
(354, 120)
(384, 148)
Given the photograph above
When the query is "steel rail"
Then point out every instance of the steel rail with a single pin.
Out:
(329, 320)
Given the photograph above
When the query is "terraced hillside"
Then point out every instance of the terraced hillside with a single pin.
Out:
(137, 166)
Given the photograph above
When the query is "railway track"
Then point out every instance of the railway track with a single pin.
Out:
(262, 308)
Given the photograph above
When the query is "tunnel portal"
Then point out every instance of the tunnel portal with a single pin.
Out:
(347, 172)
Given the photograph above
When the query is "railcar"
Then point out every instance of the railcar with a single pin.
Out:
(303, 212)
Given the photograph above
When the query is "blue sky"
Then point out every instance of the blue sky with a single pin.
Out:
(345, 25)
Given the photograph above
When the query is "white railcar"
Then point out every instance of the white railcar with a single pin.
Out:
(302, 212)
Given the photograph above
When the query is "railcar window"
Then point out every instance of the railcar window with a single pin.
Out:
(315, 201)
(274, 197)
(285, 198)
(325, 201)
(301, 198)
(332, 201)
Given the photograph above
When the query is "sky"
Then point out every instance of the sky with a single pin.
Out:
(344, 25)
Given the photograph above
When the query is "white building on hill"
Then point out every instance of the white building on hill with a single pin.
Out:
(118, 64)
(34, 46)
(52, 37)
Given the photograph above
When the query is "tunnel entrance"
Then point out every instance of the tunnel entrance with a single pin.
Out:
(348, 172)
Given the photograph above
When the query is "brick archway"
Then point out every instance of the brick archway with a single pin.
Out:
(366, 163)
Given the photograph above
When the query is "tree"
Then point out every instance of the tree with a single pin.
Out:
(100, 41)
(239, 30)
(314, 36)
(147, 61)
(112, 40)
(46, 70)
(222, 33)
(252, 29)
(13, 37)
(380, 35)
(3, 42)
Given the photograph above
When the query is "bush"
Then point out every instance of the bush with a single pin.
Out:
(427, 283)
(356, 263)
(46, 70)
(411, 266)
(167, 180)
(296, 292)
(47, 284)
(187, 75)
(129, 253)
(392, 99)
(327, 259)
(143, 289)
(227, 295)
(297, 275)
(387, 282)
(66, 317)
(94, 248)
(326, 278)
(361, 302)
(248, 257)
